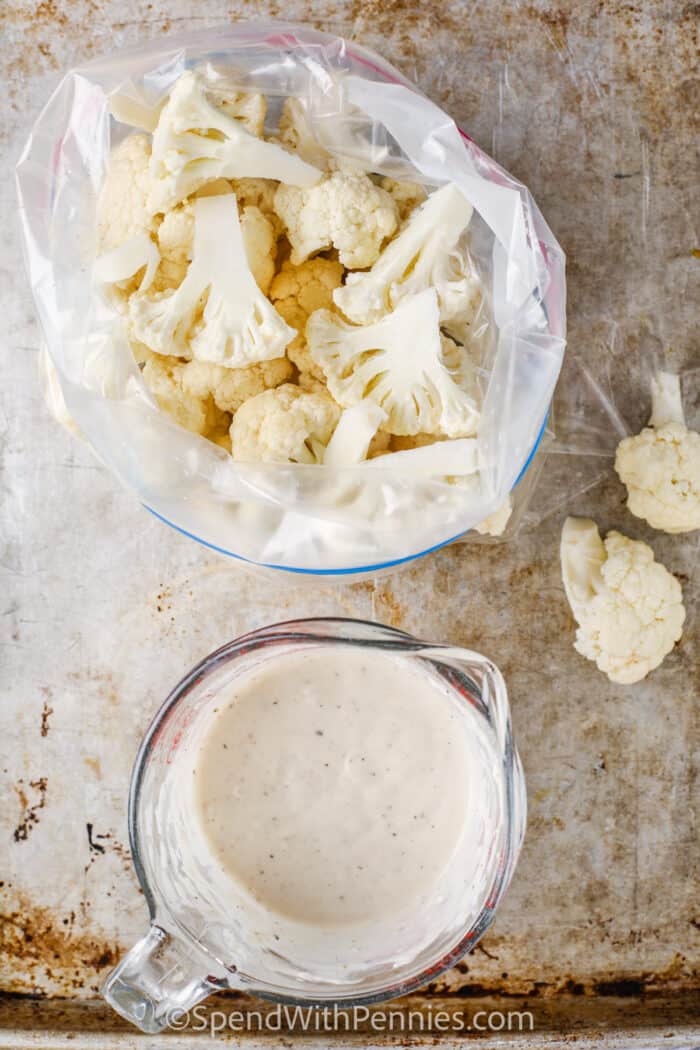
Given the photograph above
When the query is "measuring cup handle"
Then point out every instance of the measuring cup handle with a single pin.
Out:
(156, 983)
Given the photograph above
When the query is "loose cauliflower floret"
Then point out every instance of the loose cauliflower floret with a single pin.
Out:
(297, 291)
(176, 238)
(285, 425)
(231, 387)
(629, 608)
(408, 195)
(661, 466)
(164, 378)
(344, 211)
(122, 205)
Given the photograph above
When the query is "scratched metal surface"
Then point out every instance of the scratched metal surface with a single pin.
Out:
(593, 105)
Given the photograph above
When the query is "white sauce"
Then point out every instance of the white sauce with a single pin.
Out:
(342, 801)
(334, 784)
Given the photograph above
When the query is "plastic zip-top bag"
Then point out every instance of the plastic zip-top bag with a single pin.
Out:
(314, 517)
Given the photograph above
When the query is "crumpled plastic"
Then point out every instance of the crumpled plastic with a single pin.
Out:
(305, 518)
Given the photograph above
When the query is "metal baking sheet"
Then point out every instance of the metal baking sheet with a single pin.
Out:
(593, 105)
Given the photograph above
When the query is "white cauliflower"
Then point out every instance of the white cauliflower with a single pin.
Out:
(260, 246)
(296, 132)
(121, 266)
(164, 378)
(176, 239)
(398, 364)
(297, 292)
(661, 466)
(231, 387)
(196, 142)
(495, 524)
(260, 193)
(122, 204)
(249, 109)
(345, 211)
(408, 195)
(455, 460)
(426, 254)
(285, 425)
(238, 326)
(629, 608)
(355, 437)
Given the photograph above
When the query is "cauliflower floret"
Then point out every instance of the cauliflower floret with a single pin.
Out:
(398, 364)
(259, 193)
(123, 217)
(661, 466)
(122, 205)
(176, 238)
(285, 425)
(296, 132)
(311, 384)
(197, 142)
(344, 211)
(408, 195)
(218, 312)
(426, 254)
(164, 378)
(260, 246)
(495, 524)
(297, 291)
(357, 436)
(309, 285)
(120, 267)
(249, 109)
(629, 608)
(231, 387)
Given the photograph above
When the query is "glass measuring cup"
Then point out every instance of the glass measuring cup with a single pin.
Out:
(196, 945)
